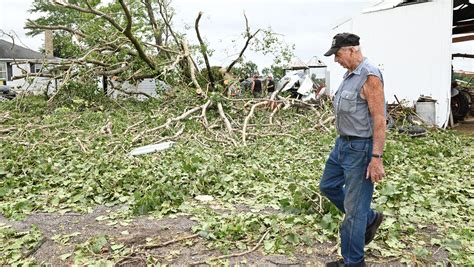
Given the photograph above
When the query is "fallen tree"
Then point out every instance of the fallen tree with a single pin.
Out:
(134, 40)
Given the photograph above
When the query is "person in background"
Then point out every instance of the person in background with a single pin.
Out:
(270, 85)
(256, 87)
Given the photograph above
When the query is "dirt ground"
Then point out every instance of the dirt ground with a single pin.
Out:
(466, 126)
(177, 254)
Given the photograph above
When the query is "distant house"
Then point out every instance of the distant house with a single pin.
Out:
(18, 61)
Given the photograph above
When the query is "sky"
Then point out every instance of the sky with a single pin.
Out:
(305, 23)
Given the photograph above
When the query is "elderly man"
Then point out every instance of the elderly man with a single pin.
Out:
(355, 163)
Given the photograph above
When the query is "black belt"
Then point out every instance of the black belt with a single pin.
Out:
(350, 137)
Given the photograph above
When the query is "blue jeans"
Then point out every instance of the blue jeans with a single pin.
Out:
(344, 183)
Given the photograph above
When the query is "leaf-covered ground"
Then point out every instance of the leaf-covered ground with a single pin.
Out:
(68, 184)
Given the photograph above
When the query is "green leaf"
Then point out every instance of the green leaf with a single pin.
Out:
(63, 257)
(269, 245)
(97, 243)
(117, 246)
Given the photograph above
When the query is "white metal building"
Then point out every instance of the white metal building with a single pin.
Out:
(410, 41)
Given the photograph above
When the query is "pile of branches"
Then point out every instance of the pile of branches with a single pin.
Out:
(404, 119)
(237, 130)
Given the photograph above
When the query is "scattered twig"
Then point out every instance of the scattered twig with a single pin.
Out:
(83, 148)
(169, 121)
(231, 139)
(235, 254)
(332, 250)
(272, 134)
(174, 137)
(65, 81)
(131, 93)
(133, 259)
(322, 123)
(153, 246)
(282, 263)
(35, 248)
(5, 116)
(327, 120)
(133, 126)
(7, 130)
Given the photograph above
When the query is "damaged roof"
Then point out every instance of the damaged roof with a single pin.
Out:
(463, 17)
(315, 62)
(297, 64)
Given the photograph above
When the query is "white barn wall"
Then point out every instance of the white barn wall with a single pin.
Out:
(412, 47)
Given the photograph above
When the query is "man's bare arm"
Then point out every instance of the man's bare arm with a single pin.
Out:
(373, 93)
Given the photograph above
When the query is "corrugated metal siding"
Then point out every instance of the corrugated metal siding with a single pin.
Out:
(147, 86)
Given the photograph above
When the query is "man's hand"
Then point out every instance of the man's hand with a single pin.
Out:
(375, 170)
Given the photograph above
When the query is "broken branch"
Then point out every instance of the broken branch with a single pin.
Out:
(191, 67)
(247, 42)
(204, 53)
(224, 118)
(169, 242)
(247, 119)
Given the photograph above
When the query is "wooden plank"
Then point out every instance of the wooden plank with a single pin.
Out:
(463, 55)
(463, 38)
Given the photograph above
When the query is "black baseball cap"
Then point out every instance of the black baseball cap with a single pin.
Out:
(341, 40)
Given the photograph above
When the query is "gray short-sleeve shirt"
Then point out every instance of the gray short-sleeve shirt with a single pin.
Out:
(352, 111)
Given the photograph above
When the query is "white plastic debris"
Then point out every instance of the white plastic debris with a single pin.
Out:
(151, 148)
(292, 79)
(204, 198)
(306, 86)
